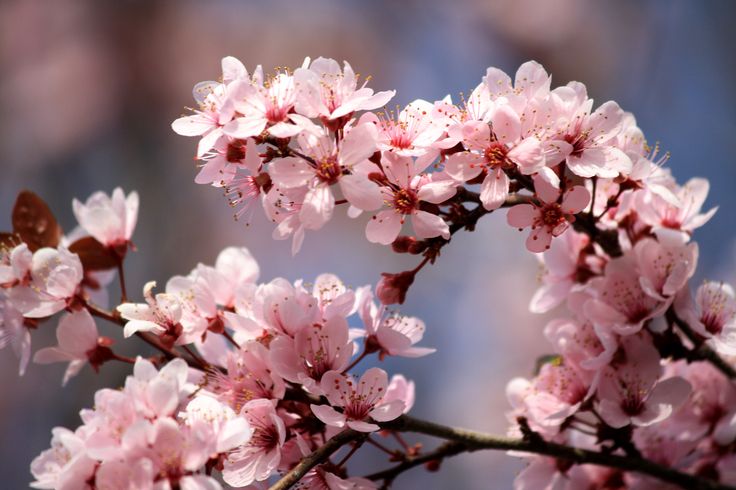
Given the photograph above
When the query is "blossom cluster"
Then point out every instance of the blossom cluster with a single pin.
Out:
(249, 378)
(268, 378)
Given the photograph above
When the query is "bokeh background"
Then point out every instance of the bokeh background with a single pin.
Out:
(88, 89)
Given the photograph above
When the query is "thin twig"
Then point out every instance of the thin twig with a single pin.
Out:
(446, 450)
(320, 455)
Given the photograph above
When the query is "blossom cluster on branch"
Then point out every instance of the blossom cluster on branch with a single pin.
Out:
(254, 381)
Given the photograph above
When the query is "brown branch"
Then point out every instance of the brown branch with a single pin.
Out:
(446, 450)
(320, 455)
(473, 441)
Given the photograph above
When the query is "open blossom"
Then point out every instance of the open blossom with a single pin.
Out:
(55, 278)
(327, 92)
(328, 165)
(551, 216)
(260, 456)
(65, 465)
(630, 391)
(79, 343)
(412, 132)
(685, 215)
(227, 156)
(314, 351)
(393, 335)
(109, 219)
(362, 401)
(501, 148)
(712, 314)
(15, 266)
(160, 314)
(403, 194)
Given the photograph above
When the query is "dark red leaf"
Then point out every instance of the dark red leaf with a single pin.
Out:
(34, 222)
(94, 255)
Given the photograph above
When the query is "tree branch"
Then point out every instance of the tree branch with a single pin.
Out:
(473, 441)
(320, 455)
(446, 450)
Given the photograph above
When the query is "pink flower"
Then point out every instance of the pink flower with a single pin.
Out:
(109, 219)
(65, 465)
(55, 278)
(665, 265)
(712, 314)
(264, 106)
(333, 298)
(283, 207)
(686, 216)
(630, 391)
(249, 376)
(155, 393)
(330, 164)
(227, 156)
(590, 141)
(314, 350)
(160, 314)
(216, 105)
(260, 456)
(79, 343)
(404, 192)
(400, 389)
(503, 148)
(554, 395)
(551, 216)
(14, 332)
(392, 335)
(565, 265)
(580, 343)
(321, 479)
(361, 401)
(15, 266)
(412, 132)
(327, 92)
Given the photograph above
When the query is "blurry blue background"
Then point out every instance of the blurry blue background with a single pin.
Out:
(88, 90)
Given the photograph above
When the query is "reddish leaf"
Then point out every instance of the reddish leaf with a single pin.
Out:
(34, 222)
(94, 255)
(8, 241)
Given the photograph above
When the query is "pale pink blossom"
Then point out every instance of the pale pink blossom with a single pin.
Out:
(55, 278)
(260, 456)
(109, 219)
(712, 314)
(65, 466)
(264, 106)
(407, 187)
(550, 216)
(283, 207)
(686, 215)
(158, 393)
(227, 156)
(390, 334)
(581, 344)
(327, 92)
(362, 401)
(402, 389)
(249, 375)
(14, 332)
(160, 314)
(630, 390)
(665, 265)
(315, 350)
(554, 395)
(330, 164)
(565, 265)
(412, 132)
(78, 343)
(15, 266)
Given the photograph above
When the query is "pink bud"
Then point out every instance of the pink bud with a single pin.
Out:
(392, 288)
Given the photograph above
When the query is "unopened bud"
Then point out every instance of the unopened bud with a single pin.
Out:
(392, 288)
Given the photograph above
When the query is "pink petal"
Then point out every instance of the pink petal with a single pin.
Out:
(506, 125)
(317, 207)
(575, 200)
(329, 415)
(290, 172)
(384, 227)
(428, 225)
(522, 215)
(362, 426)
(387, 411)
(361, 192)
(494, 190)
(538, 240)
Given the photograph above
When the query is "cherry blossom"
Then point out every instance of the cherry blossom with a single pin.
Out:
(551, 216)
(109, 219)
(160, 314)
(712, 314)
(361, 401)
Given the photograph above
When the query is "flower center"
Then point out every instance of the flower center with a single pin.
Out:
(328, 170)
(552, 215)
(495, 155)
(235, 152)
(405, 201)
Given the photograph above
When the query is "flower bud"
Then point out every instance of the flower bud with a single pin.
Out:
(392, 288)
